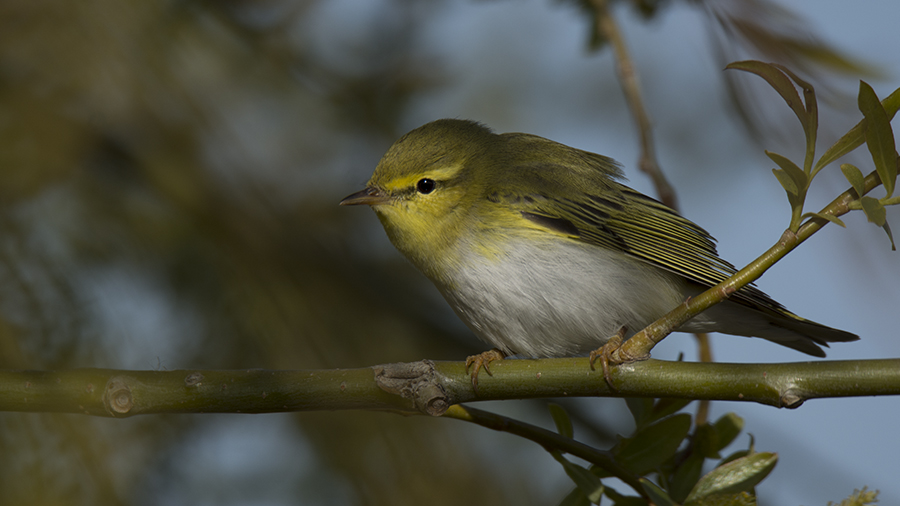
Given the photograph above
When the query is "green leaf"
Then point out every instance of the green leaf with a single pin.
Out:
(575, 498)
(590, 485)
(777, 80)
(855, 177)
(601, 473)
(787, 182)
(857, 135)
(665, 407)
(736, 455)
(646, 411)
(811, 121)
(850, 141)
(739, 499)
(728, 427)
(631, 501)
(874, 210)
(830, 217)
(586, 481)
(879, 136)
(640, 408)
(796, 173)
(652, 445)
(887, 230)
(686, 476)
(657, 495)
(791, 177)
(624, 500)
(790, 188)
(739, 475)
(705, 441)
(892, 103)
(562, 420)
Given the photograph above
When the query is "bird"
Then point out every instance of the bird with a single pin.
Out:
(543, 252)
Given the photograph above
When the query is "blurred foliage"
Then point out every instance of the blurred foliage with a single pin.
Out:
(169, 179)
(754, 30)
(764, 30)
(180, 154)
(864, 497)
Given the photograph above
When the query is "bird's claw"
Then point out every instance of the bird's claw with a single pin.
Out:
(605, 354)
(482, 360)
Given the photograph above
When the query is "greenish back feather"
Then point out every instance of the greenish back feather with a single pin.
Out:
(581, 197)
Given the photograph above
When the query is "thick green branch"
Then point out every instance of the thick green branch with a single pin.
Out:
(781, 385)
(432, 387)
(119, 393)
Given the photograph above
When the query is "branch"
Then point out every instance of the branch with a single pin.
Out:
(548, 439)
(119, 393)
(432, 387)
(606, 25)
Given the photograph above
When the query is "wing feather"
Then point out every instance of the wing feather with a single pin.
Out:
(625, 220)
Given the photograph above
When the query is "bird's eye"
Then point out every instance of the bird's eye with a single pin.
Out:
(425, 186)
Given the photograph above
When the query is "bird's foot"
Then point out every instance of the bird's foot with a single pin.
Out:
(476, 362)
(605, 354)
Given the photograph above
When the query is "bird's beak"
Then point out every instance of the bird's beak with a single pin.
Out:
(370, 196)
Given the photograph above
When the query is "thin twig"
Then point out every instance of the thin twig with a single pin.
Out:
(606, 26)
(548, 439)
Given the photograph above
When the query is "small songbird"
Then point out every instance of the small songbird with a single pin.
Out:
(543, 252)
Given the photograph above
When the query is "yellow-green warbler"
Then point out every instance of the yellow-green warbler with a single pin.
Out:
(543, 253)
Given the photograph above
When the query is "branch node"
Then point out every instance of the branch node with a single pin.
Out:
(117, 397)
(791, 399)
(727, 291)
(194, 379)
(414, 381)
(789, 237)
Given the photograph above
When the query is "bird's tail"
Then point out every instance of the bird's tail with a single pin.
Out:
(774, 324)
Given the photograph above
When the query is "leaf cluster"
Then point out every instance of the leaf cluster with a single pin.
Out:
(664, 446)
(874, 130)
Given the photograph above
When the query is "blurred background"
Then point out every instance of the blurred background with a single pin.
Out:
(169, 180)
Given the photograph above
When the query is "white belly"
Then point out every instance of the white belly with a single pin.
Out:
(560, 299)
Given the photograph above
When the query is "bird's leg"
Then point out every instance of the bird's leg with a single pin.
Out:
(604, 353)
(482, 360)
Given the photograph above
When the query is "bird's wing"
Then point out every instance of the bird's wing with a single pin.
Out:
(601, 211)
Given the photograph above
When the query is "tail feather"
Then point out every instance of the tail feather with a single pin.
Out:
(805, 335)
(781, 326)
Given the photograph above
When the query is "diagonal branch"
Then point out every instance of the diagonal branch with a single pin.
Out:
(638, 346)
(548, 439)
